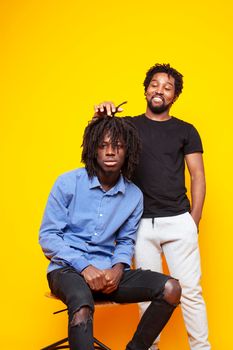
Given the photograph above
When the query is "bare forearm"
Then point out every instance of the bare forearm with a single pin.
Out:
(119, 268)
(198, 190)
(195, 165)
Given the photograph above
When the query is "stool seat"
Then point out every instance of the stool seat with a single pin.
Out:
(97, 303)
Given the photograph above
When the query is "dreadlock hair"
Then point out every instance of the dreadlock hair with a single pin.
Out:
(165, 68)
(117, 128)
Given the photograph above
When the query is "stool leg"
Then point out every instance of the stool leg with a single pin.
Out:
(100, 345)
(55, 346)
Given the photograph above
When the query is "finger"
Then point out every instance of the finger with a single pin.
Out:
(120, 109)
(107, 274)
(109, 290)
(100, 108)
(97, 108)
(96, 286)
(108, 278)
(107, 107)
(110, 108)
(91, 285)
(101, 282)
(99, 114)
(97, 280)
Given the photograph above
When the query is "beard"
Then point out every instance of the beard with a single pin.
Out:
(158, 109)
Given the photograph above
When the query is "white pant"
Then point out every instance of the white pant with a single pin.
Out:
(176, 237)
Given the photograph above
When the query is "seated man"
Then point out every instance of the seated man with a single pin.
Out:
(88, 234)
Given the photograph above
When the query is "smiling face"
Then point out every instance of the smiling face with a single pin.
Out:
(110, 157)
(160, 93)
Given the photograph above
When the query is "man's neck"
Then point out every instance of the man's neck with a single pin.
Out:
(158, 117)
(108, 180)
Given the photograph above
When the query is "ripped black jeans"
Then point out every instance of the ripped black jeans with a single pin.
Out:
(135, 286)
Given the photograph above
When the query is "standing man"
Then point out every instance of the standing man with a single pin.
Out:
(88, 234)
(169, 224)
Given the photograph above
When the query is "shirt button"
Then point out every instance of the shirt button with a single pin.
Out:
(101, 214)
(95, 234)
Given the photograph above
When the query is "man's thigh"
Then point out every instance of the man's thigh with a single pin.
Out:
(148, 246)
(69, 286)
(139, 285)
(182, 253)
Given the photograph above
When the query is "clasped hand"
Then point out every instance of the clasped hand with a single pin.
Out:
(106, 280)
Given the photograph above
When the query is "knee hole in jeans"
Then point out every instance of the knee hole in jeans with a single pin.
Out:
(82, 316)
(172, 292)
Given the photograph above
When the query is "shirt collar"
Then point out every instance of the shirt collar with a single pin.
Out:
(119, 187)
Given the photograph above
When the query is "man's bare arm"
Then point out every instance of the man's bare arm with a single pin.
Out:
(195, 166)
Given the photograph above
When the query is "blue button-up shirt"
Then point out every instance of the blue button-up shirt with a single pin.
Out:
(85, 225)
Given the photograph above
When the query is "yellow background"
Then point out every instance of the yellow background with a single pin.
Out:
(59, 58)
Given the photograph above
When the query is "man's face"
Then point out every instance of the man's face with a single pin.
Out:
(110, 157)
(160, 93)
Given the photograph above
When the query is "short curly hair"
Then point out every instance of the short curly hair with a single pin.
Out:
(165, 68)
(117, 128)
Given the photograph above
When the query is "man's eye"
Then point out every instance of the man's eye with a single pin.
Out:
(119, 145)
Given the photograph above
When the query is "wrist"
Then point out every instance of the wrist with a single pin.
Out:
(119, 267)
(196, 213)
(85, 269)
(196, 217)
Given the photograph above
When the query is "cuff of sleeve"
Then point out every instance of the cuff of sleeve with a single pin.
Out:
(121, 259)
(81, 264)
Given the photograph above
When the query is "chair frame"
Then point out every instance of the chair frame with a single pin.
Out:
(59, 344)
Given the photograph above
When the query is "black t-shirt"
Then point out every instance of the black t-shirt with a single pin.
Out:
(160, 173)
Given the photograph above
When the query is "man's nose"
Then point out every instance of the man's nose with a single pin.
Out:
(110, 150)
(159, 90)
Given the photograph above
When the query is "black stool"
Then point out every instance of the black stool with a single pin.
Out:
(58, 344)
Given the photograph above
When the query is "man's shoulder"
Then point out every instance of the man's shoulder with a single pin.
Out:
(132, 188)
(68, 180)
(190, 134)
(141, 118)
(181, 122)
(73, 174)
(183, 127)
